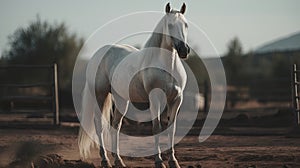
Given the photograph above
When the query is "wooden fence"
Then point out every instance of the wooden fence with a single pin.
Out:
(260, 91)
(263, 96)
(11, 99)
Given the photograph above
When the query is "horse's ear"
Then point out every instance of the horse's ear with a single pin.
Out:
(183, 7)
(168, 8)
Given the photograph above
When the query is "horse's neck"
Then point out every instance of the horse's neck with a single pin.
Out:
(158, 54)
(162, 58)
(157, 38)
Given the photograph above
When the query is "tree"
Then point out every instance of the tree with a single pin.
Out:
(232, 60)
(43, 43)
(232, 64)
(234, 48)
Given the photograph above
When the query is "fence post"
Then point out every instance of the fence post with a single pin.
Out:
(55, 95)
(206, 96)
(296, 97)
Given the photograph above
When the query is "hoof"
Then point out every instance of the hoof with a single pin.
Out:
(105, 164)
(173, 164)
(160, 165)
(119, 164)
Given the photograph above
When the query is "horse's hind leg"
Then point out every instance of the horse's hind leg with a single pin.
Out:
(118, 115)
(99, 130)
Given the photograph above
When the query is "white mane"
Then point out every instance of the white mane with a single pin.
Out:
(157, 35)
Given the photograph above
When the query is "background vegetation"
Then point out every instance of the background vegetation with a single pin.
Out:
(42, 43)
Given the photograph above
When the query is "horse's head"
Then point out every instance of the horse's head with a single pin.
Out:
(176, 27)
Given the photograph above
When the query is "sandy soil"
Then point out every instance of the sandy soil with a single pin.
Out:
(217, 151)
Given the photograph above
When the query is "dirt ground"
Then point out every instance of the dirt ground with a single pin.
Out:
(218, 151)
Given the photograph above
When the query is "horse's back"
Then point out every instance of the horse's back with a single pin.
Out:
(111, 55)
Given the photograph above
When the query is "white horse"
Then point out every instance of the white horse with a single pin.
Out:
(169, 35)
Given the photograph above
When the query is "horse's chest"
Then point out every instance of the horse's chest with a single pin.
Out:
(127, 83)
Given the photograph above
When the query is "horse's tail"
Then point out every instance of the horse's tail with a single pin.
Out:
(87, 135)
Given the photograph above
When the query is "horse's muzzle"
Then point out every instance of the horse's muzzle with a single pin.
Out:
(183, 50)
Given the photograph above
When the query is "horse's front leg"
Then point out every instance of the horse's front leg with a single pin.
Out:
(173, 109)
(156, 127)
(118, 115)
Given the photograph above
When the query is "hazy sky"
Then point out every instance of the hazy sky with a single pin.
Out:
(253, 21)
